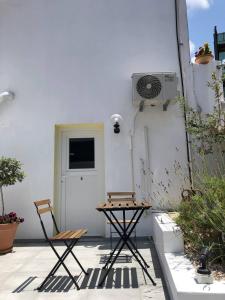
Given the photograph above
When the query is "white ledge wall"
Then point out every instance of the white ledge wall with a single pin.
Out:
(70, 62)
(178, 270)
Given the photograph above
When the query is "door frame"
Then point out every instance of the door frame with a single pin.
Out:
(59, 207)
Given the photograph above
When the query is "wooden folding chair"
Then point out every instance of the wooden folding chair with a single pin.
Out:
(69, 238)
(121, 196)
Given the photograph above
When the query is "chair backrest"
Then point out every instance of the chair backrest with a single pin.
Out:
(121, 196)
(39, 206)
(42, 207)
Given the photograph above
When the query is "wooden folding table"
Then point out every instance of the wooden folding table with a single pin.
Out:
(124, 231)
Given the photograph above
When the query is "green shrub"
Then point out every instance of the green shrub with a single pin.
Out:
(202, 218)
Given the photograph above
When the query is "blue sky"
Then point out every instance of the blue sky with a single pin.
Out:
(203, 15)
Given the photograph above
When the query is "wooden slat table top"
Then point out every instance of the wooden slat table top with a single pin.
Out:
(121, 205)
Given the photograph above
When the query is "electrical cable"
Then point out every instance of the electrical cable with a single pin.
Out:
(182, 90)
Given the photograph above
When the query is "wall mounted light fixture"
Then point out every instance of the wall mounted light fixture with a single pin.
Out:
(116, 118)
(6, 95)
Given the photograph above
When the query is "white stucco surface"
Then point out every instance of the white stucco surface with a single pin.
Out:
(179, 273)
(201, 95)
(71, 62)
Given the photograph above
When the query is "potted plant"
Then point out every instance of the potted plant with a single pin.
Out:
(10, 173)
(203, 55)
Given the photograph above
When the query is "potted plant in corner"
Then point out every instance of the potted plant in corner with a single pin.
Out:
(203, 55)
(10, 173)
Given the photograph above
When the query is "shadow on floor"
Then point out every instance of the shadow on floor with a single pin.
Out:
(140, 242)
(122, 258)
(158, 270)
(118, 278)
(89, 242)
(125, 278)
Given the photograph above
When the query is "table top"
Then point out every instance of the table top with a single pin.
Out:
(123, 205)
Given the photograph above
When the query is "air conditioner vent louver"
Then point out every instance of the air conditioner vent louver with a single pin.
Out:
(149, 87)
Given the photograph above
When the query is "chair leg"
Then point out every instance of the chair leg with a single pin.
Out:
(63, 257)
(59, 263)
(135, 238)
(110, 237)
(86, 273)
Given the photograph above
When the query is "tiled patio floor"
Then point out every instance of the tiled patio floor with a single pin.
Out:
(24, 269)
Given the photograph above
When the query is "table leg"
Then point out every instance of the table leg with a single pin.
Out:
(125, 238)
(135, 248)
(140, 263)
(111, 254)
(112, 263)
(120, 240)
(131, 230)
(136, 257)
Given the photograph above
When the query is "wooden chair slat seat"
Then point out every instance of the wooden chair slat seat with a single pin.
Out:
(69, 235)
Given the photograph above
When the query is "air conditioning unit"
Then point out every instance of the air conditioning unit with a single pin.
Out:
(154, 89)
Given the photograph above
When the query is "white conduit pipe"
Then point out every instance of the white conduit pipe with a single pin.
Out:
(132, 132)
(147, 171)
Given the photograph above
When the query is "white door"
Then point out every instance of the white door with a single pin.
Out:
(82, 180)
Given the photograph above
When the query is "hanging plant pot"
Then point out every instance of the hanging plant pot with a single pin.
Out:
(203, 59)
(7, 235)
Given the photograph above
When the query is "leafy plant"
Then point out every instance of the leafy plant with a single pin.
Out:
(202, 219)
(10, 173)
(207, 130)
(201, 216)
(203, 50)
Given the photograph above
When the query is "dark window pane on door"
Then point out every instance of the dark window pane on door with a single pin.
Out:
(81, 153)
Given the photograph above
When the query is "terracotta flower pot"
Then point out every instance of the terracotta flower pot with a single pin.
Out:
(203, 59)
(7, 235)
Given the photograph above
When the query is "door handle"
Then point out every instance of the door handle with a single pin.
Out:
(63, 179)
(81, 178)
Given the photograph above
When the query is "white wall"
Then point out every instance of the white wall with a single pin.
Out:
(203, 96)
(71, 62)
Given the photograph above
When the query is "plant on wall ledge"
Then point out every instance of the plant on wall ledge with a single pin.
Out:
(203, 55)
(10, 173)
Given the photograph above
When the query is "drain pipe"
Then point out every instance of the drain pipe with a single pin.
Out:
(132, 131)
(147, 176)
(179, 44)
